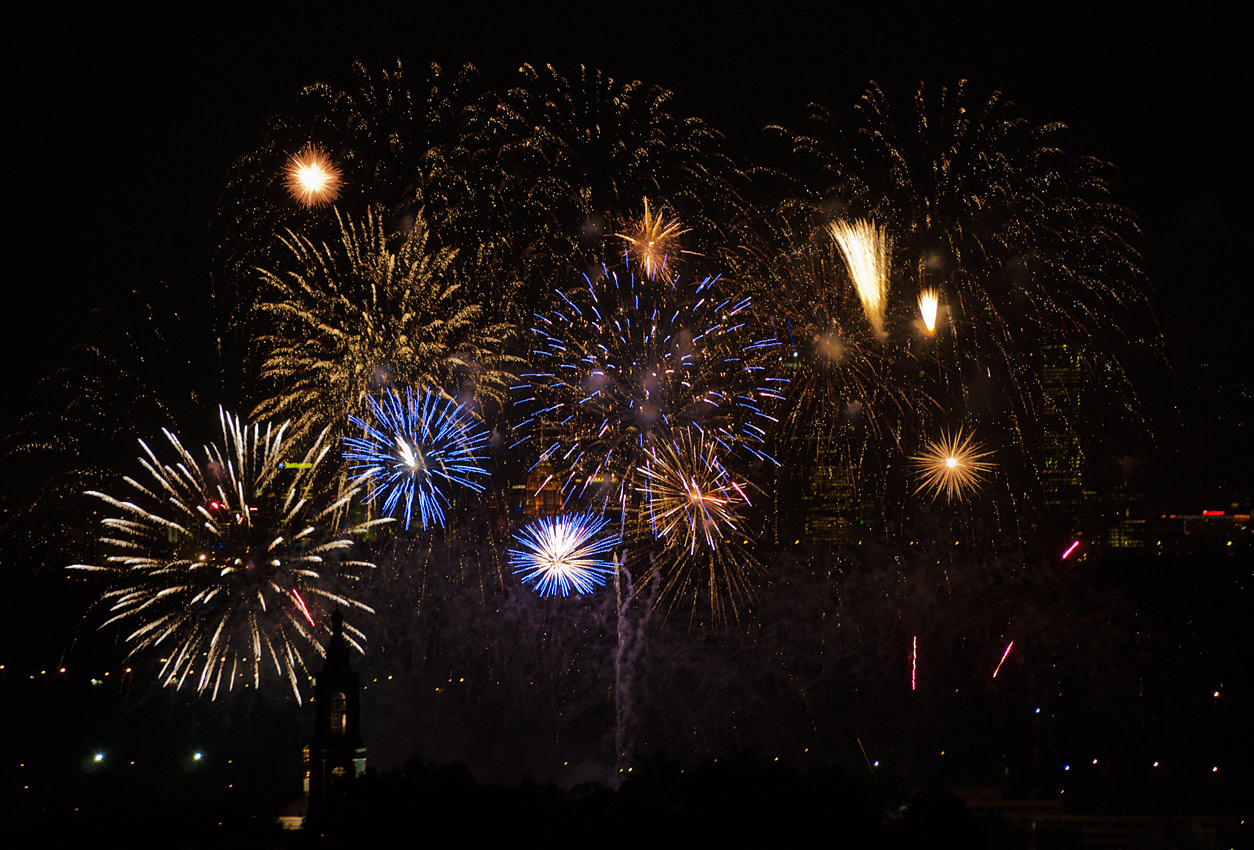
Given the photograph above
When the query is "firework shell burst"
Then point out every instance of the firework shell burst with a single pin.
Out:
(413, 449)
(351, 317)
(622, 363)
(693, 506)
(229, 567)
(312, 178)
(654, 244)
(952, 465)
(564, 553)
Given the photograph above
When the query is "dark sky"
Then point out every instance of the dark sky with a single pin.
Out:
(122, 125)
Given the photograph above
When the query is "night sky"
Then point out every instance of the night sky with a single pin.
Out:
(123, 125)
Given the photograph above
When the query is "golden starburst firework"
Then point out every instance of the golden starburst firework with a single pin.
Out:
(655, 244)
(865, 249)
(312, 178)
(952, 465)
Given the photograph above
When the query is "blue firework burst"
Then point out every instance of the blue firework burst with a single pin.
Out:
(564, 553)
(413, 450)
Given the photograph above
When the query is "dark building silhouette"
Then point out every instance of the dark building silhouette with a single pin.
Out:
(335, 756)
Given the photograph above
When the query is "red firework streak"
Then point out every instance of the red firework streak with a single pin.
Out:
(1003, 658)
(914, 661)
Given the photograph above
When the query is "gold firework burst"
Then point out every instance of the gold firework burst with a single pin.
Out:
(952, 465)
(312, 178)
(865, 249)
(654, 244)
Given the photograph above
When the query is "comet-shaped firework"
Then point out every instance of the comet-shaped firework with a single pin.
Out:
(928, 302)
(866, 250)
(228, 566)
(564, 553)
(413, 449)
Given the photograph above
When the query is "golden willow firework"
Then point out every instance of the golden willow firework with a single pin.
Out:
(952, 465)
(366, 313)
(693, 507)
(622, 364)
(229, 565)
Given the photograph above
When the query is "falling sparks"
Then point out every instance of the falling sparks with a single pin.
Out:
(914, 661)
(654, 244)
(951, 466)
(312, 178)
(1003, 661)
(928, 302)
(564, 553)
(865, 249)
(217, 562)
(414, 449)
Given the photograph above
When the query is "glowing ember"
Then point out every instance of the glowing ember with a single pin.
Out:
(312, 178)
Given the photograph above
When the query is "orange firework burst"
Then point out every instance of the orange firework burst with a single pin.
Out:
(654, 244)
(312, 178)
(951, 466)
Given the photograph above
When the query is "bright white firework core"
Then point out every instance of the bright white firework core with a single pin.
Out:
(928, 302)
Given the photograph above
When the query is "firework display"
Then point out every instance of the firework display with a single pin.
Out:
(454, 273)
(412, 449)
(224, 564)
(985, 211)
(564, 554)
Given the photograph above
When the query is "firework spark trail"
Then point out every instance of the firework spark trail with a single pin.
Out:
(312, 178)
(564, 553)
(951, 466)
(413, 449)
(914, 661)
(866, 249)
(1003, 659)
(622, 365)
(217, 562)
(654, 244)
